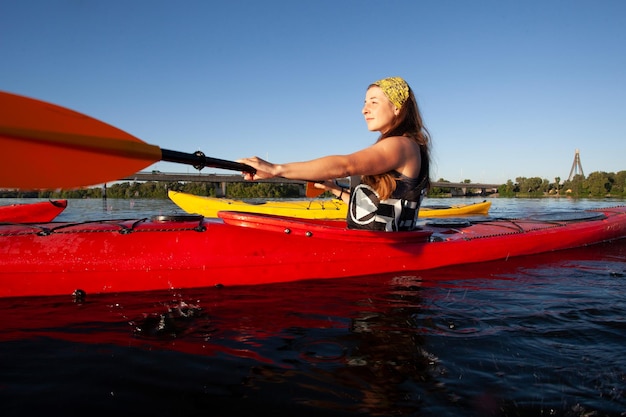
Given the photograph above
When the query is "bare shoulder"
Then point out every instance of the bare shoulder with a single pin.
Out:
(405, 152)
(398, 142)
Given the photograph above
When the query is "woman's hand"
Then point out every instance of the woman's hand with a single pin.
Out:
(332, 186)
(325, 185)
(264, 169)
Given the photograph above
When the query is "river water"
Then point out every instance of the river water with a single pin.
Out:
(536, 336)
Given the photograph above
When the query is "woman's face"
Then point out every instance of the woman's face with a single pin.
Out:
(379, 112)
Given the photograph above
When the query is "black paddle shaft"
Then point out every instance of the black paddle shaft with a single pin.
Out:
(199, 161)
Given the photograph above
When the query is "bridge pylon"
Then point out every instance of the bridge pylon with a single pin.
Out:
(577, 167)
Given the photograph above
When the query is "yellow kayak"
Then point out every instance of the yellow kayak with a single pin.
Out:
(304, 209)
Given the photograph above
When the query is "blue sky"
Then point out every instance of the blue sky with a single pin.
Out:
(507, 88)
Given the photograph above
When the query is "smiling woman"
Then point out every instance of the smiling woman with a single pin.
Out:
(388, 178)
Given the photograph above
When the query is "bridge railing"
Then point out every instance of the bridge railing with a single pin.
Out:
(220, 180)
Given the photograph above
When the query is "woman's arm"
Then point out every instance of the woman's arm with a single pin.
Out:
(383, 156)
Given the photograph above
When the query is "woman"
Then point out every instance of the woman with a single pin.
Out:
(392, 175)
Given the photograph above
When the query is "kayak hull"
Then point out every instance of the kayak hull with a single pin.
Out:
(303, 209)
(251, 249)
(39, 212)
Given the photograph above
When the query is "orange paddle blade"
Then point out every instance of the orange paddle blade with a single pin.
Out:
(45, 146)
(312, 191)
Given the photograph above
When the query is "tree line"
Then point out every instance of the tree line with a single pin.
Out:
(156, 190)
(598, 184)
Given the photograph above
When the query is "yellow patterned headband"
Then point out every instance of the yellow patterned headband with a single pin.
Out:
(396, 90)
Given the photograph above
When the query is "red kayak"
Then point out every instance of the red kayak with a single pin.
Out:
(169, 252)
(44, 211)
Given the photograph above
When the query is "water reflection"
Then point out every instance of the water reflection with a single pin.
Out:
(374, 363)
(349, 348)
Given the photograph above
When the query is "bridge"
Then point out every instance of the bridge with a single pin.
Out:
(220, 181)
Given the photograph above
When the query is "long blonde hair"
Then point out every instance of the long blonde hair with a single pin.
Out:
(407, 123)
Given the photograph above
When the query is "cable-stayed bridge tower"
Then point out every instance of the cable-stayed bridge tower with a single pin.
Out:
(577, 167)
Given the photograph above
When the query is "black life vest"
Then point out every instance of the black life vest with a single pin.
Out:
(397, 213)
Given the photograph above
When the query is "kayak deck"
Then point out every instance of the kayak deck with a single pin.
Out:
(248, 249)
